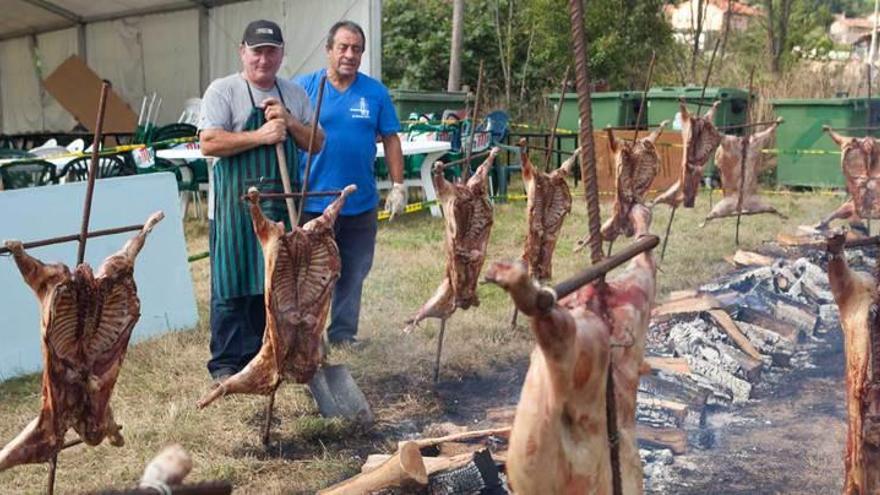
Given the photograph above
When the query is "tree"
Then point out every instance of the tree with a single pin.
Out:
(454, 83)
(778, 15)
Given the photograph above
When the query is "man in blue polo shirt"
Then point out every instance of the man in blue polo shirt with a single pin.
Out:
(355, 111)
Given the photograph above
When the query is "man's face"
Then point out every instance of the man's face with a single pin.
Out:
(345, 53)
(261, 63)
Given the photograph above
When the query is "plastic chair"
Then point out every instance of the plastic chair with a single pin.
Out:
(30, 173)
(14, 153)
(76, 145)
(192, 109)
(108, 166)
(496, 123)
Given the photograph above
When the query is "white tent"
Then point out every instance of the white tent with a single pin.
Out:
(174, 48)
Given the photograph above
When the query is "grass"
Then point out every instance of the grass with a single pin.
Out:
(163, 377)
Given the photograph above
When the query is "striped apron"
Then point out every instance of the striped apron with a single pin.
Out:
(236, 258)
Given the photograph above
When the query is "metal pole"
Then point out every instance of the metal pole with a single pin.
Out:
(744, 157)
(668, 229)
(547, 298)
(93, 169)
(549, 151)
(76, 237)
(588, 171)
(645, 94)
(308, 169)
(466, 170)
(267, 427)
(281, 157)
(708, 73)
(439, 349)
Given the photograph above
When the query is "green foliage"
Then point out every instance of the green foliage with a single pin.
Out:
(622, 33)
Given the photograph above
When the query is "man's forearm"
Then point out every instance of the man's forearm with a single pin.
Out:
(220, 143)
(393, 157)
(301, 134)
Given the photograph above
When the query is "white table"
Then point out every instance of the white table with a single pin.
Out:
(432, 151)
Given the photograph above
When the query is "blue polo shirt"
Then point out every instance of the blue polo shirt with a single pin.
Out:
(351, 120)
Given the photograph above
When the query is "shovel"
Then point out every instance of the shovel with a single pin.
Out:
(333, 388)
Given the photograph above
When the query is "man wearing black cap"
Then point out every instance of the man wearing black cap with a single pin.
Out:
(243, 117)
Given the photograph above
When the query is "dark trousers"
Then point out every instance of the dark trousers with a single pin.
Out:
(237, 326)
(356, 238)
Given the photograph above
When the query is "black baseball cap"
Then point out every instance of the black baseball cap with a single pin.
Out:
(262, 33)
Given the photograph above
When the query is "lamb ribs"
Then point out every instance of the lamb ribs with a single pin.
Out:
(700, 139)
(728, 158)
(302, 267)
(468, 217)
(87, 320)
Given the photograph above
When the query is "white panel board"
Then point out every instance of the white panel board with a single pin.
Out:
(161, 270)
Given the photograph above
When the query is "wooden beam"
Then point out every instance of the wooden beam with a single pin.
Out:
(732, 330)
(674, 365)
(56, 9)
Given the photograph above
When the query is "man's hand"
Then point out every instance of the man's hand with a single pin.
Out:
(396, 200)
(272, 132)
(273, 109)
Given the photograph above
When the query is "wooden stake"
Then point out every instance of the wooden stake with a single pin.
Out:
(281, 156)
(93, 170)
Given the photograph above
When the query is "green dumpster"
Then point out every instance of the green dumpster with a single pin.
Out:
(802, 130)
(614, 108)
(408, 102)
(663, 105)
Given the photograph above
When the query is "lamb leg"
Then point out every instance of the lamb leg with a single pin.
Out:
(441, 305)
(554, 330)
(482, 172)
(846, 211)
(331, 213)
(38, 275)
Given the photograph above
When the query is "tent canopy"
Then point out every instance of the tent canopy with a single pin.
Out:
(172, 48)
(39, 16)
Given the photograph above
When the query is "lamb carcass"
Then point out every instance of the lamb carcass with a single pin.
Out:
(559, 442)
(468, 217)
(86, 323)
(858, 299)
(700, 138)
(549, 201)
(728, 158)
(860, 162)
(302, 267)
(635, 166)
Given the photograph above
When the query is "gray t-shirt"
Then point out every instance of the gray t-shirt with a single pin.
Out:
(226, 104)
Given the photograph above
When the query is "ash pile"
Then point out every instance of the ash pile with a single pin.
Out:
(711, 349)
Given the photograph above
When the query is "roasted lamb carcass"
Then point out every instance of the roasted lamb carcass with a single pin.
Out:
(635, 166)
(559, 442)
(700, 139)
(858, 299)
(302, 267)
(728, 158)
(87, 320)
(860, 162)
(468, 217)
(549, 201)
